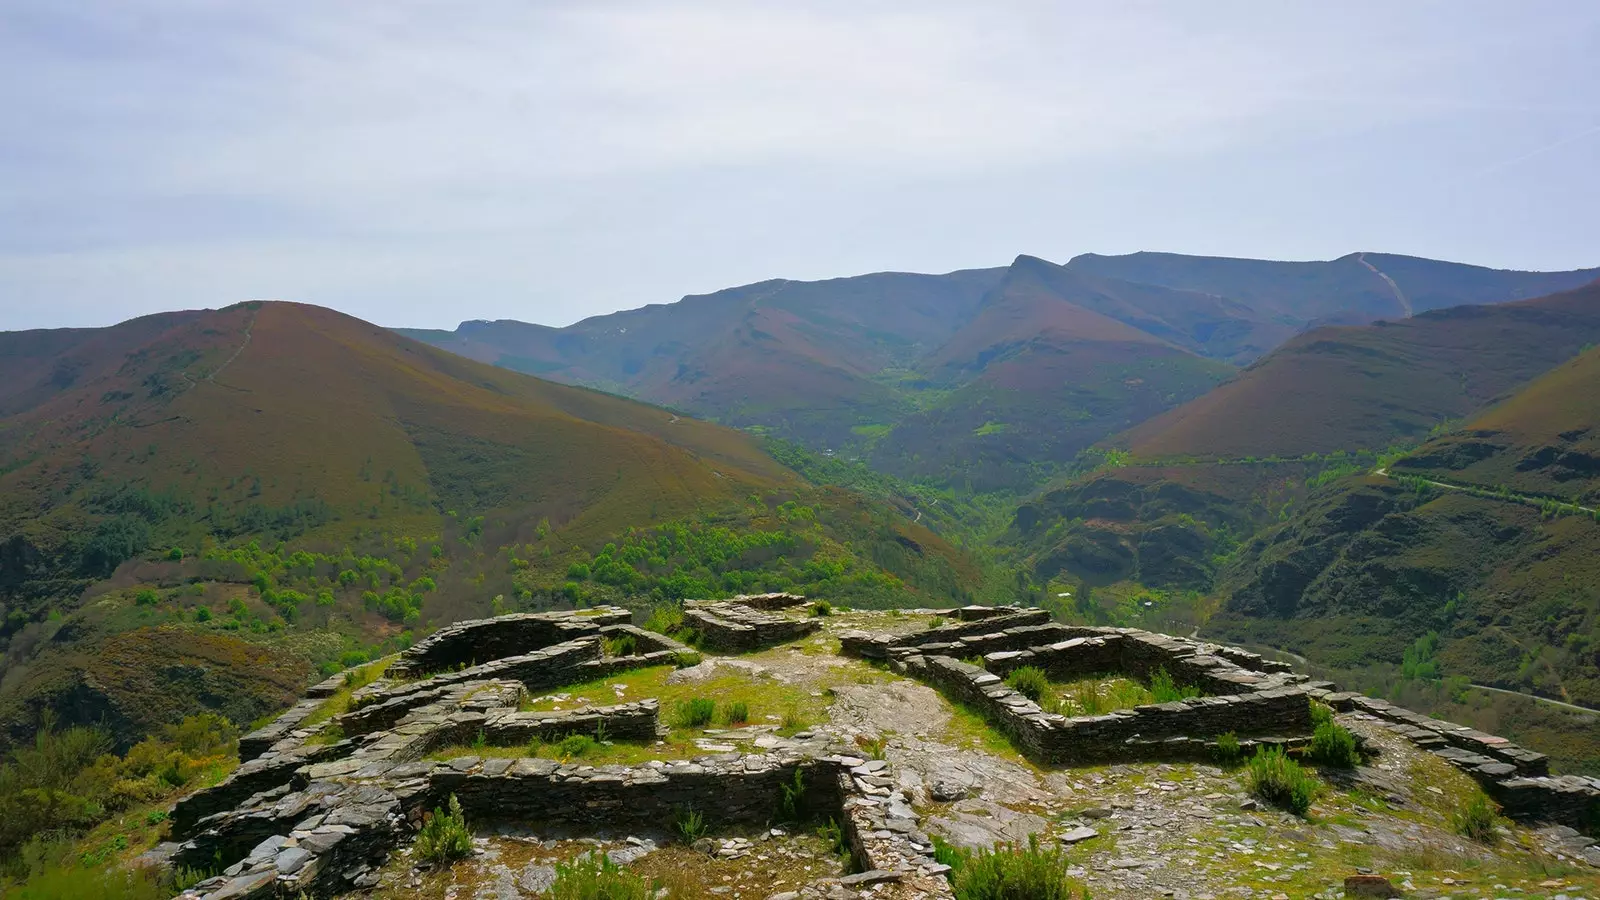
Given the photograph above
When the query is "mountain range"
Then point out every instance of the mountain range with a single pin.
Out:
(987, 379)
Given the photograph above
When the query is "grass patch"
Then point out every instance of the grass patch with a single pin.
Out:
(1228, 751)
(1030, 682)
(736, 713)
(1279, 780)
(338, 703)
(623, 644)
(594, 876)
(1478, 819)
(1164, 690)
(694, 713)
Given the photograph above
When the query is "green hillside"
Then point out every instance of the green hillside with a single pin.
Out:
(203, 511)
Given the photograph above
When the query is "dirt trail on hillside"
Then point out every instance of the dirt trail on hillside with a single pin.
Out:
(1405, 304)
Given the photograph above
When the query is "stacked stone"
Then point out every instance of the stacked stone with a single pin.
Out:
(769, 602)
(473, 641)
(735, 627)
(882, 646)
(551, 667)
(272, 769)
(259, 741)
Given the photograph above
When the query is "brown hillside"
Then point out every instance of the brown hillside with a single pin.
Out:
(1543, 440)
(1371, 386)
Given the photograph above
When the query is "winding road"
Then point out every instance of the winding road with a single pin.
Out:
(1477, 491)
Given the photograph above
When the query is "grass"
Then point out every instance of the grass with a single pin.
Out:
(767, 701)
(444, 837)
(1478, 819)
(1164, 690)
(1279, 780)
(623, 644)
(338, 703)
(736, 713)
(1030, 682)
(822, 608)
(695, 713)
(594, 876)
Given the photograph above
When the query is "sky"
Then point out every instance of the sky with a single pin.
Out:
(422, 163)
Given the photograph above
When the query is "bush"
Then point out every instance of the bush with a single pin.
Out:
(822, 608)
(793, 800)
(574, 745)
(1279, 780)
(594, 876)
(1321, 714)
(175, 554)
(1010, 872)
(736, 713)
(1478, 819)
(444, 837)
(1333, 745)
(695, 713)
(1228, 751)
(1030, 682)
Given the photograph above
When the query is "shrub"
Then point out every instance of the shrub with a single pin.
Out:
(1228, 751)
(1279, 780)
(1478, 819)
(1010, 872)
(574, 745)
(203, 614)
(1321, 714)
(1333, 745)
(736, 713)
(444, 837)
(687, 660)
(1165, 690)
(175, 554)
(691, 825)
(1030, 682)
(594, 876)
(623, 644)
(664, 620)
(822, 608)
(146, 597)
(695, 713)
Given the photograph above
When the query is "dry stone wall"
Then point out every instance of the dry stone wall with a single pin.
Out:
(747, 623)
(476, 641)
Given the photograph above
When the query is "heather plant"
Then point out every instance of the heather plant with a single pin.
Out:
(1279, 780)
(444, 837)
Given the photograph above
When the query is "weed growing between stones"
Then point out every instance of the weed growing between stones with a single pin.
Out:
(695, 713)
(1228, 751)
(1478, 819)
(1279, 780)
(690, 824)
(1030, 682)
(793, 797)
(1009, 872)
(936, 622)
(834, 836)
(444, 837)
(873, 747)
(594, 876)
(822, 608)
(793, 722)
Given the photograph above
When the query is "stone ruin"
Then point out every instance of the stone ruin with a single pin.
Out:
(1262, 701)
(318, 808)
(747, 622)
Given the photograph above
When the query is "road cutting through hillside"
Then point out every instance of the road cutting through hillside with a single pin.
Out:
(1485, 493)
(1399, 295)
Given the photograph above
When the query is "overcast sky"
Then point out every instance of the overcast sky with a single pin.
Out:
(419, 163)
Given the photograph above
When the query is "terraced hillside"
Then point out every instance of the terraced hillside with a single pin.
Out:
(198, 510)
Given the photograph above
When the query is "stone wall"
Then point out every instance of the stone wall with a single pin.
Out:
(259, 741)
(734, 627)
(475, 641)
(1143, 732)
(880, 646)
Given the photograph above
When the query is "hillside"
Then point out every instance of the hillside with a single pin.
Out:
(962, 379)
(1544, 440)
(239, 497)
(1344, 388)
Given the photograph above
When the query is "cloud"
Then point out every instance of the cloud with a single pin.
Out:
(195, 140)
